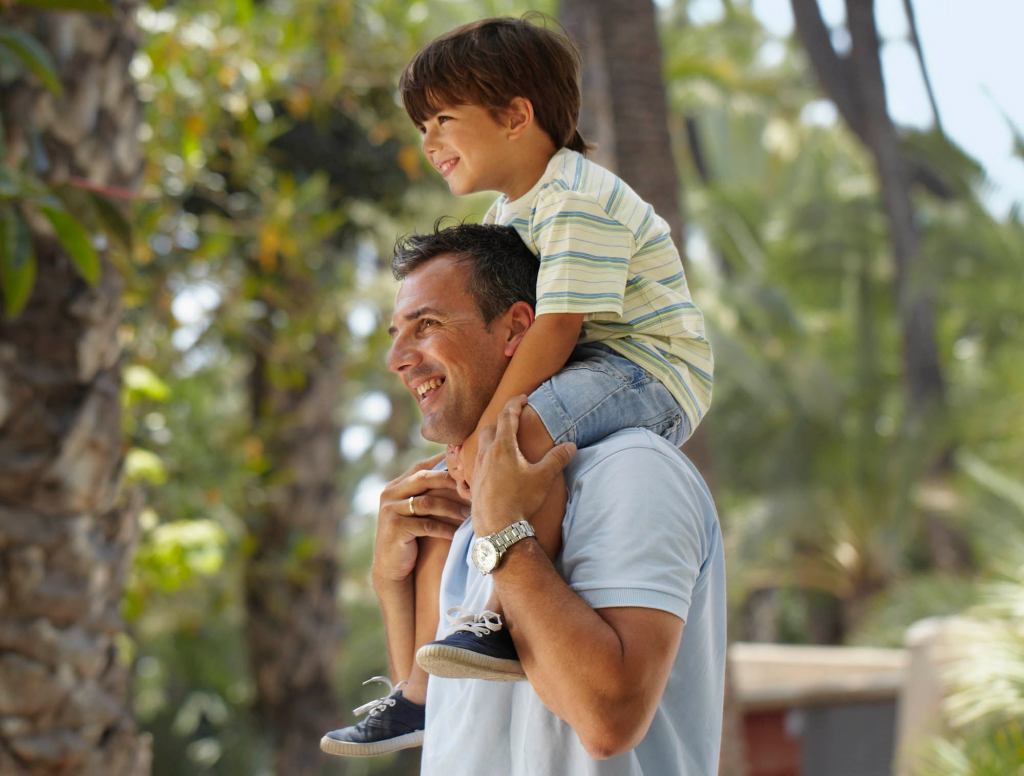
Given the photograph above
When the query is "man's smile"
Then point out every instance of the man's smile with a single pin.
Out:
(427, 388)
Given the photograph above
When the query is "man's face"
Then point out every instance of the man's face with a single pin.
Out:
(442, 351)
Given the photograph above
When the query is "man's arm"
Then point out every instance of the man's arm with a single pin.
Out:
(602, 671)
(439, 511)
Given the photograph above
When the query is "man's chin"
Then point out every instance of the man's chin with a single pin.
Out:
(442, 435)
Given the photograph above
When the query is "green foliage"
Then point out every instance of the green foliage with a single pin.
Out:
(25, 192)
(279, 171)
(17, 261)
(32, 56)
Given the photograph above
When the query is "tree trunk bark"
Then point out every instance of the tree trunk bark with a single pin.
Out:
(856, 86)
(66, 540)
(625, 113)
(292, 575)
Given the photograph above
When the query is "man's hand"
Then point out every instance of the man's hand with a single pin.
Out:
(507, 487)
(435, 510)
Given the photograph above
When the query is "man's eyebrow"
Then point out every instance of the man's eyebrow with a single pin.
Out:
(419, 312)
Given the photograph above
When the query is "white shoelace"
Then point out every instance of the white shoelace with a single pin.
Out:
(379, 705)
(477, 624)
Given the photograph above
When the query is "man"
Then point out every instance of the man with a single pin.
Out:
(615, 687)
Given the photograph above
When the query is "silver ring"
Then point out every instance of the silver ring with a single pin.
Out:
(412, 506)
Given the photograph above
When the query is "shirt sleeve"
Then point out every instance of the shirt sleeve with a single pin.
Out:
(584, 255)
(638, 532)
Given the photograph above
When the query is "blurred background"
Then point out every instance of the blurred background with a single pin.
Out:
(198, 202)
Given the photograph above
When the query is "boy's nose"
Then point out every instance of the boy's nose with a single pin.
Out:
(429, 141)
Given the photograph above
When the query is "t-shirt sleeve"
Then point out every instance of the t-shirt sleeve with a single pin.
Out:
(584, 255)
(638, 532)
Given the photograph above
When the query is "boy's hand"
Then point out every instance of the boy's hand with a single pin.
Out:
(453, 457)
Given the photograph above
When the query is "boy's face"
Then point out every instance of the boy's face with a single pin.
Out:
(470, 149)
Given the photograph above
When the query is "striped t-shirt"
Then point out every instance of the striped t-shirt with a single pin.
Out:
(604, 252)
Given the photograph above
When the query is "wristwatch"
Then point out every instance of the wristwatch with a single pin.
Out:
(489, 550)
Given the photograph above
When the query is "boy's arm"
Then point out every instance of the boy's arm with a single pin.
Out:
(545, 349)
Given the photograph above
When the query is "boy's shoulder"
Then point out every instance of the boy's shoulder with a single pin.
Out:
(571, 171)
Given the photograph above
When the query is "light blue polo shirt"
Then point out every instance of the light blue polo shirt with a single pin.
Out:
(640, 530)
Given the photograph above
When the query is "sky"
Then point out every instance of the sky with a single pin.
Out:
(973, 52)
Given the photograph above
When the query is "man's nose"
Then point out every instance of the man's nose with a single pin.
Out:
(401, 355)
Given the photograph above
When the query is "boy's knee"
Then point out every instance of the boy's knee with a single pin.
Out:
(534, 439)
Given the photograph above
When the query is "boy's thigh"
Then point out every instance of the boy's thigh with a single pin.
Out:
(598, 393)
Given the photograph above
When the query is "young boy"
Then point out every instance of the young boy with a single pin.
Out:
(617, 340)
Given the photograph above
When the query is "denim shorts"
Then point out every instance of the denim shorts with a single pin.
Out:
(599, 392)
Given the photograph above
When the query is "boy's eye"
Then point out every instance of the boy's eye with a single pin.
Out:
(421, 129)
(443, 119)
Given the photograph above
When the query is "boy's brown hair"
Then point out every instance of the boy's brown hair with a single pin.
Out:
(492, 61)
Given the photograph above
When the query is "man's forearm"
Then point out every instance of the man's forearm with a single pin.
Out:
(602, 678)
(397, 610)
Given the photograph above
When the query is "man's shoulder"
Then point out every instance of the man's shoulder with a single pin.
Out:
(636, 455)
(632, 440)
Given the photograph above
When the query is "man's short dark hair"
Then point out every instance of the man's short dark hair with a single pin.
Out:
(500, 269)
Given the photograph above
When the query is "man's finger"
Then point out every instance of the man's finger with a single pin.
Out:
(557, 458)
(420, 482)
(485, 439)
(508, 422)
(435, 529)
(437, 507)
(429, 463)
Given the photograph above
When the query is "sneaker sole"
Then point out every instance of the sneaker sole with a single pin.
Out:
(452, 663)
(351, 749)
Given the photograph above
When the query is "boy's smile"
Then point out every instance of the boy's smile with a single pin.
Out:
(472, 151)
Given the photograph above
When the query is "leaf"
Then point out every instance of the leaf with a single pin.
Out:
(994, 480)
(75, 239)
(143, 381)
(140, 464)
(113, 220)
(17, 262)
(33, 56)
(89, 6)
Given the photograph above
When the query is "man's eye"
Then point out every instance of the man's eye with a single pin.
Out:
(427, 323)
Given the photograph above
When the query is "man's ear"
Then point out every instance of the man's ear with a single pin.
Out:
(520, 318)
(518, 116)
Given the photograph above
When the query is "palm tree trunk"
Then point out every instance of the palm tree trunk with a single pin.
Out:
(292, 574)
(66, 539)
(625, 112)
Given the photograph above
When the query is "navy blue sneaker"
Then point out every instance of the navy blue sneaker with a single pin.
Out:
(391, 723)
(480, 647)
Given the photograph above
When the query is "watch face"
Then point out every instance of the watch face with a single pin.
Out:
(485, 557)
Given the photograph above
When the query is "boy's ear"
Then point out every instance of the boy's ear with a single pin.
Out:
(520, 317)
(518, 116)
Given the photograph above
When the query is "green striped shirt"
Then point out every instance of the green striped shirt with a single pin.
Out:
(604, 252)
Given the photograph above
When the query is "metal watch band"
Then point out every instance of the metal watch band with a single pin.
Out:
(509, 535)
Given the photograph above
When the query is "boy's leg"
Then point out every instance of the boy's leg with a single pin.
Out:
(481, 648)
(396, 721)
(535, 442)
(427, 576)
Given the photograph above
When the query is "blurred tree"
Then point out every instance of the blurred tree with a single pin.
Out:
(66, 539)
(855, 84)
